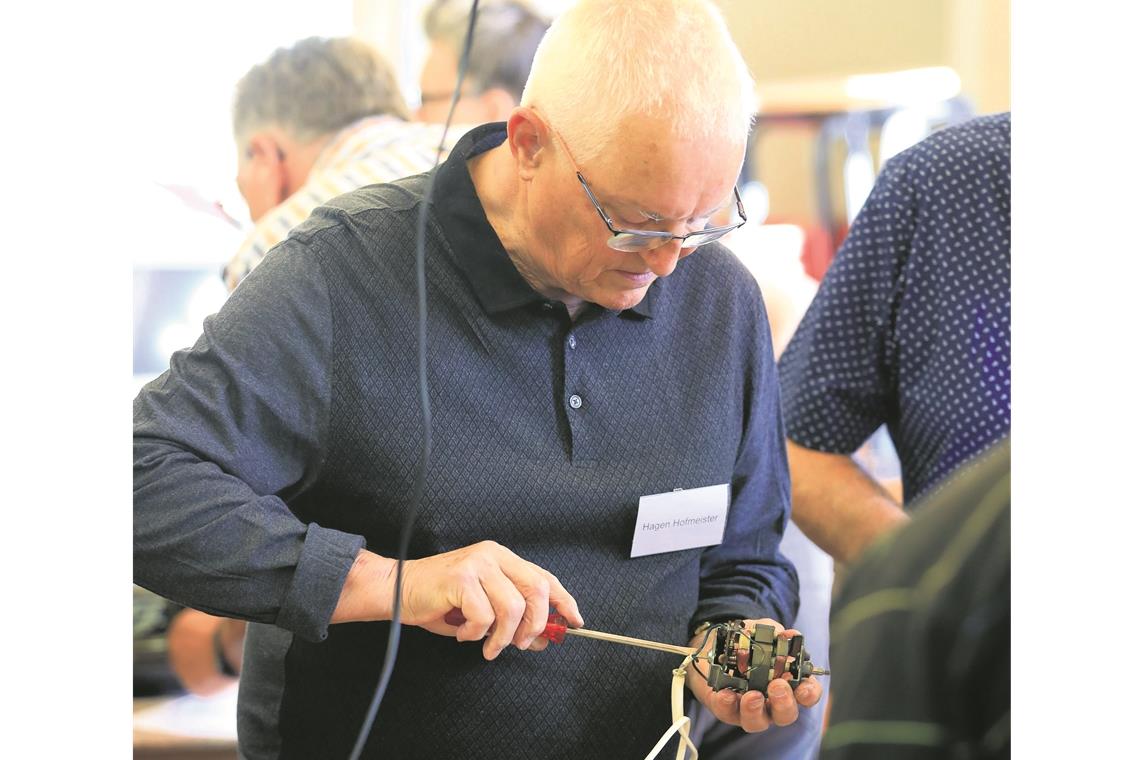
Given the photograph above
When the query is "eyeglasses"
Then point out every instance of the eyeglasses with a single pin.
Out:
(648, 240)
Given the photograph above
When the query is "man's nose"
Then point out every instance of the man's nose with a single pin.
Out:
(662, 261)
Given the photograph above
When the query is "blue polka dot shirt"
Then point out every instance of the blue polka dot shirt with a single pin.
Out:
(910, 327)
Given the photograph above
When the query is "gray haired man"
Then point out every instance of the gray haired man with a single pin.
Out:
(317, 119)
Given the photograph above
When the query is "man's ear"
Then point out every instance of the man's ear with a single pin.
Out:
(267, 176)
(528, 138)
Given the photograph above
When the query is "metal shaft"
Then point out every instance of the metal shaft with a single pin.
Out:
(630, 641)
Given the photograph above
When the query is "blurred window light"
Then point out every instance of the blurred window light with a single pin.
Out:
(858, 179)
(901, 130)
(756, 200)
(930, 84)
(170, 306)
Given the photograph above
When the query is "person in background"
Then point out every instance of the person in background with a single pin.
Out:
(574, 281)
(507, 33)
(910, 329)
(921, 663)
(317, 119)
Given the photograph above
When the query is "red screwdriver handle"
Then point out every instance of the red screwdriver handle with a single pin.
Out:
(555, 624)
(555, 628)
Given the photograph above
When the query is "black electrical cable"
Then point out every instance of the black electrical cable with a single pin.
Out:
(425, 405)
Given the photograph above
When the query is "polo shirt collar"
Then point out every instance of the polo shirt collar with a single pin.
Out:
(474, 244)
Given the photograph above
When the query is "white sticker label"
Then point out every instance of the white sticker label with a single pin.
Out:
(669, 522)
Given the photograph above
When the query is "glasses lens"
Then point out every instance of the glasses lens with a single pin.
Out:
(630, 241)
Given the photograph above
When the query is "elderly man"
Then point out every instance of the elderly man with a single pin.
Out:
(317, 119)
(507, 33)
(583, 366)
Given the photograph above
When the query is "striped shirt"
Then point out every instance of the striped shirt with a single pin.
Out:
(373, 150)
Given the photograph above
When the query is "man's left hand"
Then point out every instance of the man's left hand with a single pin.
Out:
(751, 710)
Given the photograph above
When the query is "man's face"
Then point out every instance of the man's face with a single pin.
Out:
(257, 179)
(437, 83)
(644, 181)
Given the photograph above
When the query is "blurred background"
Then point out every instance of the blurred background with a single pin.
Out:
(843, 87)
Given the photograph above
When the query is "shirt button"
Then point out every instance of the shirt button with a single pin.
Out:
(572, 341)
(547, 305)
(575, 401)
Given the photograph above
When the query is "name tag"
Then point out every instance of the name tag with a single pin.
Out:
(669, 522)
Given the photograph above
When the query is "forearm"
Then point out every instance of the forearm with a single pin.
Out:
(836, 504)
(368, 590)
(206, 540)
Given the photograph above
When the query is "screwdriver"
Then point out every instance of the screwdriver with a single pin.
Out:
(556, 630)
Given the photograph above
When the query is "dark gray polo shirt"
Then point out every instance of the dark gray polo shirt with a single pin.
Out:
(288, 437)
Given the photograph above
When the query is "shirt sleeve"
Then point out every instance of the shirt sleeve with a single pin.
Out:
(746, 576)
(236, 424)
(839, 373)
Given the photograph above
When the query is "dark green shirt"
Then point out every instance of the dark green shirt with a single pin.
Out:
(920, 650)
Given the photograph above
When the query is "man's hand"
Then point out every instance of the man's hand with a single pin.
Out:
(751, 711)
(502, 597)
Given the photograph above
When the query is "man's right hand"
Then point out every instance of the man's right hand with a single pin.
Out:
(503, 598)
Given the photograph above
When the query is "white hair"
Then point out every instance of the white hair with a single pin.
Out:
(604, 61)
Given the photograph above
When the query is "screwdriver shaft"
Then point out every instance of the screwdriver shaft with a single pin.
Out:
(630, 641)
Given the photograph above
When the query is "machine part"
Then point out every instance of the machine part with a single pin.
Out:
(747, 661)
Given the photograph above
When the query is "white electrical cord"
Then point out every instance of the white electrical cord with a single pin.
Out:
(680, 720)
